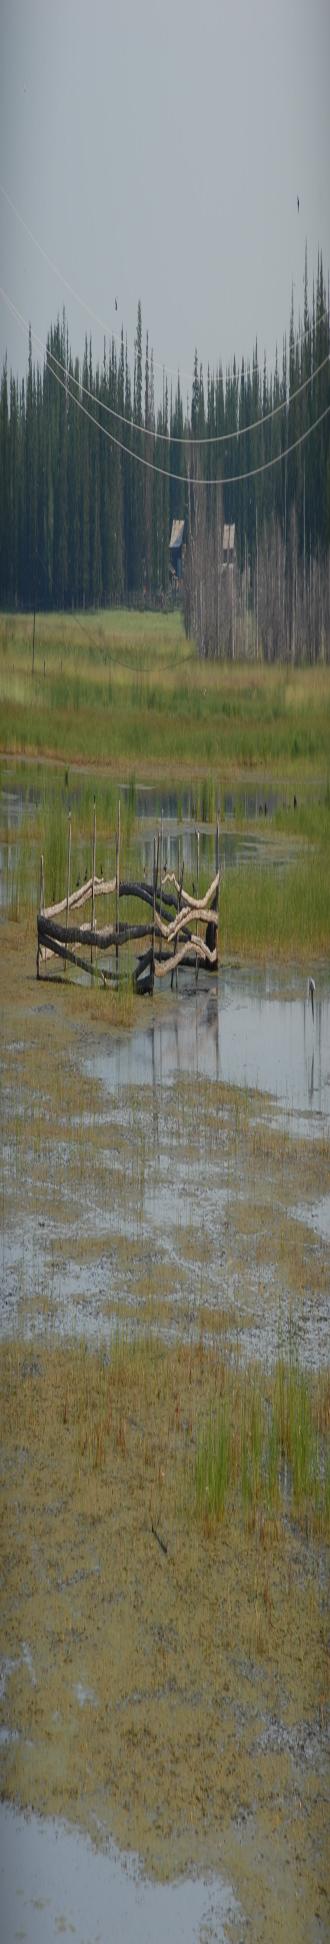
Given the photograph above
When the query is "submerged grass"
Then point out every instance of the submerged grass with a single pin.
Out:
(262, 912)
(264, 1447)
(266, 913)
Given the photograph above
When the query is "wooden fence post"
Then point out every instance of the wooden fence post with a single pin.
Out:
(179, 909)
(156, 862)
(197, 836)
(117, 884)
(69, 873)
(161, 881)
(41, 906)
(217, 866)
(93, 873)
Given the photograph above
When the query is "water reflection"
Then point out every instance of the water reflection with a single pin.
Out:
(237, 848)
(246, 1031)
(179, 812)
(53, 1881)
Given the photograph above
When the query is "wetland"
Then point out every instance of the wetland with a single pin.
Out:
(164, 1380)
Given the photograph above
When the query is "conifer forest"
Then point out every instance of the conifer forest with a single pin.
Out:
(84, 524)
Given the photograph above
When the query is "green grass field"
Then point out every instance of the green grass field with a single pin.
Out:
(128, 691)
(123, 697)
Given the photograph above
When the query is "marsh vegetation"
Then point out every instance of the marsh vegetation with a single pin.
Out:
(164, 1390)
(121, 706)
(122, 689)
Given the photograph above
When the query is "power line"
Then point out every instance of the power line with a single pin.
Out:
(68, 286)
(169, 438)
(103, 325)
(232, 479)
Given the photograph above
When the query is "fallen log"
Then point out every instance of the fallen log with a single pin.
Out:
(195, 948)
(103, 940)
(84, 965)
(195, 905)
(88, 934)
(107, 887)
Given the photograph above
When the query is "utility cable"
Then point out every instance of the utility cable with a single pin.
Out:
(74, 293)
(232, 479)
(152, 432)
(104, 326)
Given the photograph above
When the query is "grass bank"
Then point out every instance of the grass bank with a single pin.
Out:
(127, 690)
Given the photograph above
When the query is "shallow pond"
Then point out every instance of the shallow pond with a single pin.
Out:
(162, 1192)
(151, 808)
(54, 1884)
(250, 1029)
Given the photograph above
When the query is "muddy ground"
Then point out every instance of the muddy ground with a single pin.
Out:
(164, 1677)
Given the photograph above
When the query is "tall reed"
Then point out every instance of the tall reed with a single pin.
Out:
(261, 1447)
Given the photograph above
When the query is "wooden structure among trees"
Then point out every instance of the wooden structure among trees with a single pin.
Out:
(177, 549)
(229, 545)
(177, 927)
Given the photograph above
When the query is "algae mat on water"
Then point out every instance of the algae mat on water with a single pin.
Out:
(164, 1673)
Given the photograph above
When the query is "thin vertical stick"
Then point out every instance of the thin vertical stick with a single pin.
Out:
(179, 899)
(217, 866)
(152, 967)
(174, 974)
(180, 903)
(197, 887)
(33, 638)
(93, 873)
(41, 908)
(161, 881)
(117, 884)
(156, 862)
(68, 874)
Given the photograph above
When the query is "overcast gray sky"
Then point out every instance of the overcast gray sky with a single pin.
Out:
(157, 150)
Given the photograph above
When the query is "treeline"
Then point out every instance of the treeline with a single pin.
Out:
(82, 523)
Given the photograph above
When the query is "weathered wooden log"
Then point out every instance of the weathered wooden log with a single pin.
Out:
(65, 952)
(144, 973)
(145, 985)
(103, 939)
(79, 897)
(195, 947)
(171, 929)
(83, 893)
(211, 928)
(196, 905)
(84, 935)
(144, 960)
(182, 922)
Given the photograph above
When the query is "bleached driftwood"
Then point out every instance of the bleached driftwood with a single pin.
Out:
(165, 930)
